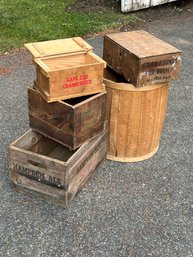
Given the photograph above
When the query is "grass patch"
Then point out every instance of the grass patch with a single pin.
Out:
(23, 21)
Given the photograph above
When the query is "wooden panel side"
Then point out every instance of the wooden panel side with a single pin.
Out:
(159, 69)
(25, 141)
(87, 166)
(32, 184)
(77, 81)
(112, 55)
(52, 119)
(121, 60)
(89, 118)
(42, 80)
(57, 114)
(83, 154)
(40, 169)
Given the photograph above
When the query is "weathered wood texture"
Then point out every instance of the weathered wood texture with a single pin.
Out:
(141, 58)
(70, 122)
(58, 46)
(66, 68)
(41, 165)
(132, 5)
(136, 118)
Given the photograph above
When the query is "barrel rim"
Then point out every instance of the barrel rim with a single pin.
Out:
(130, 87)
(132, 159)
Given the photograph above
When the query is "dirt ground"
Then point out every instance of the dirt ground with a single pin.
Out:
(174, 10)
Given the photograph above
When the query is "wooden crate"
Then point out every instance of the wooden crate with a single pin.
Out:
(42, 166)
(141, 58)
(133, 5)
(66, 68)
(136, 118)
(70, 122)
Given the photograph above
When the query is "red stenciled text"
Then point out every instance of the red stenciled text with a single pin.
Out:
(77, 81)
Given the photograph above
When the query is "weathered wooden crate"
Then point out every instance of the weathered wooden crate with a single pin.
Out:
(133, 5)
(66, 68)
(42, 166)
(141, 58)
(70, 122)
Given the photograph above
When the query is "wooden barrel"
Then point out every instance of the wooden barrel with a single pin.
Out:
(136, 118)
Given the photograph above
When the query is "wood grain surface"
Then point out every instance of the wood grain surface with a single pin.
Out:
(136, 118)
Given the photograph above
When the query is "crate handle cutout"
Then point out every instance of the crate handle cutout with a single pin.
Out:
(37, 164)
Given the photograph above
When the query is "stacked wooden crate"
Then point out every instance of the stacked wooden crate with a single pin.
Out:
(139, 68)
(67, 111)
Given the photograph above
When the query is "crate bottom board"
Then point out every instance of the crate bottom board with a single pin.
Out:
(26, 185)
(51, 99)
(59, 136)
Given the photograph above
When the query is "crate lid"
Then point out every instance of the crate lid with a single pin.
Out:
(59, 46)
(142, 43)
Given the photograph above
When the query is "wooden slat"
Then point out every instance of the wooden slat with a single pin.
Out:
(133, 125)
(113, 122)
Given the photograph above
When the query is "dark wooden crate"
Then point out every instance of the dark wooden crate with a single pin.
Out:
(42, 166)
(70, 122)
(141, 58)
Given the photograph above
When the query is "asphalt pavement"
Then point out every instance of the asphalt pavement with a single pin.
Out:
(126, 209)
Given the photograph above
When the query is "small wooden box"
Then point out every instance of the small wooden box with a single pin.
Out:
(66, 68)
(70, 122)
(42, 166)
(141, 58)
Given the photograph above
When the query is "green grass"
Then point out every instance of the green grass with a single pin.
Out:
(23, 21)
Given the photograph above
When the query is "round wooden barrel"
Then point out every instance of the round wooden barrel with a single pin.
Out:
(136, 117)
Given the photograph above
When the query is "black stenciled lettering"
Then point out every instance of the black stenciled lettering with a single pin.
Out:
(39, 176)
(158, 63)
(55, 180)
